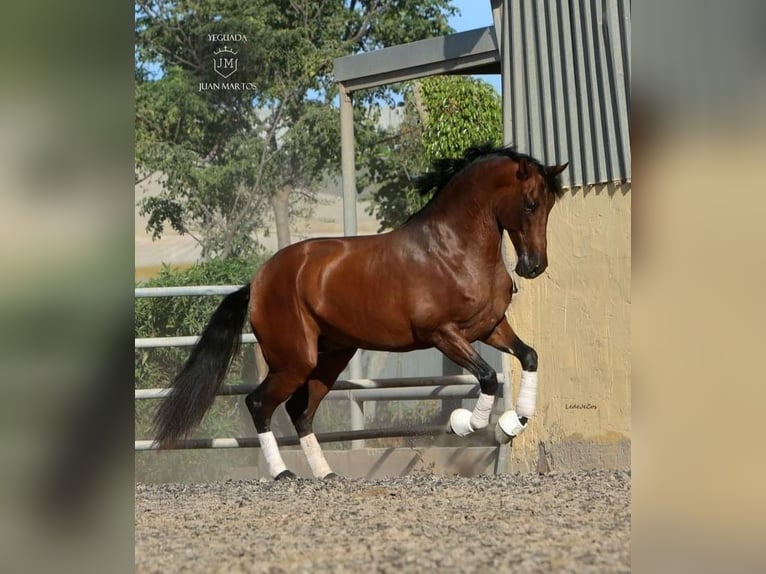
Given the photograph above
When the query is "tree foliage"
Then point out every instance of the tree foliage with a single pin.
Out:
(228, 157)
(442, 116)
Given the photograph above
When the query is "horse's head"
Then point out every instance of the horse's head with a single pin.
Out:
(522, 210)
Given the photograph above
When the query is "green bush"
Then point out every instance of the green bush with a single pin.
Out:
(187, 316)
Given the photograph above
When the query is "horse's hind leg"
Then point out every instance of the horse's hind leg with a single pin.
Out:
(288, 339)
(303, 404)
(262, 403)
(503, 338)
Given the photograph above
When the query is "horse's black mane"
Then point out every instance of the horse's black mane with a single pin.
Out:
(443, 170)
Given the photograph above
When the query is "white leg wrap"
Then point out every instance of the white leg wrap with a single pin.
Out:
(271, 453)
(481, 412)
(525, 405)
(313, 452)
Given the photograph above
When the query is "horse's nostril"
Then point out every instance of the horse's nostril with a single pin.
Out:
(534, 270)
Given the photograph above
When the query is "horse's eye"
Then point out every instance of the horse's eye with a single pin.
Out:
(529, 206)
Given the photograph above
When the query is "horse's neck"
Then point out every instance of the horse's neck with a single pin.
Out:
(466, 225)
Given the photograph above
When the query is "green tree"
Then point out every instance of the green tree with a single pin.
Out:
(227, 158)
(442, 116)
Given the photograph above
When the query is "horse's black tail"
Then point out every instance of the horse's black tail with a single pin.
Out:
(195, 387)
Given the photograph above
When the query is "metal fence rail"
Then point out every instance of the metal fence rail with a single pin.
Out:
(188, 341)
(356, 391)
(343, 387)
(340, 436)
(360, 395)
(184, 291)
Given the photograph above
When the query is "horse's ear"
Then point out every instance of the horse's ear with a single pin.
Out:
(554, 170)
(523, 171)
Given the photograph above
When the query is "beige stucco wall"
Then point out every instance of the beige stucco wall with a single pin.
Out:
(577, 317)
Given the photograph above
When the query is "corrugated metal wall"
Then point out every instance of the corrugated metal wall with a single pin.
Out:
(570, 66)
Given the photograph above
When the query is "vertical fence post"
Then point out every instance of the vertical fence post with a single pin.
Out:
(347, 161)
(502, 19)
(357, 421)
(357, 409)
(449, 405)
(348, 169)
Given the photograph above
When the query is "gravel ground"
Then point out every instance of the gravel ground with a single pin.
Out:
(559, 522)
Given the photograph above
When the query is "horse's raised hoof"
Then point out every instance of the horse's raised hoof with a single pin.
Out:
(508, 426)
(331, 477)
(460, 422)
(286, 475)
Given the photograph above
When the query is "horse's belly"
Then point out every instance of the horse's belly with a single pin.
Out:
(381, 329)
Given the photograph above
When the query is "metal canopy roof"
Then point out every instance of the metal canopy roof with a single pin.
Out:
(472, 52)
(565, 70)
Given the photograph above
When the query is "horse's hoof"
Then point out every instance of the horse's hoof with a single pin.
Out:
(460, 422)
(508, 426)
(331, 477)
(285, 475)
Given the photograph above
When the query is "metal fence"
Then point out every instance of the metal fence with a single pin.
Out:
(355, 391)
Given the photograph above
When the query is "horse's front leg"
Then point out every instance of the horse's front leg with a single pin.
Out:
(512, 423)
(450, 341)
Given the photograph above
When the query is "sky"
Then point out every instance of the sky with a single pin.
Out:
(475, 14)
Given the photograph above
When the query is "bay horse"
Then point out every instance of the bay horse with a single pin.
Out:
(439, 281)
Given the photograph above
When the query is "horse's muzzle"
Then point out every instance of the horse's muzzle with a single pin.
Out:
(530, 267)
